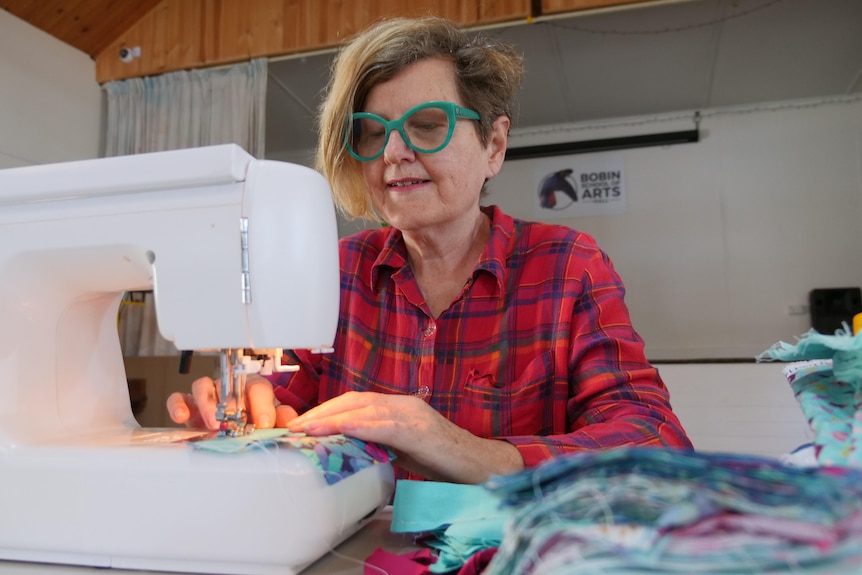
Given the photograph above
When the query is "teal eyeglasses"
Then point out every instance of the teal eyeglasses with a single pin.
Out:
(426, 128)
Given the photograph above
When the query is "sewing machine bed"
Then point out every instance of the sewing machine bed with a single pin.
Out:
(143, 499)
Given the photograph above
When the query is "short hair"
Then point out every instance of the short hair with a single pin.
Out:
(488, 74)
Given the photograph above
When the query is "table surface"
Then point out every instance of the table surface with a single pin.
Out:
(347, 559)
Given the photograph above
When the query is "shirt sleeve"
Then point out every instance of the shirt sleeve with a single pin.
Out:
(616, 398)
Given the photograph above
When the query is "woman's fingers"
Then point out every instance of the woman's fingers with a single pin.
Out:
(260, 402)
(283, 415)
(386, 418)
(345, 403)
(205, 399)
(183, 410)
(179, 408)
(198, 408)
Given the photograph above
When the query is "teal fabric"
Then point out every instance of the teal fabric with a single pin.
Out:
(256, 439)
(844, 348)
(459, 520)
(827, 382)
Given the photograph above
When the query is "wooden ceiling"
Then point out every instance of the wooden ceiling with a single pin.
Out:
(88, 25)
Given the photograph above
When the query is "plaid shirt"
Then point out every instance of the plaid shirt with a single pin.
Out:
(538, 349)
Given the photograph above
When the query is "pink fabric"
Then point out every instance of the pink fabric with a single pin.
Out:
(419, 562)
(477, 563)
(412, 563)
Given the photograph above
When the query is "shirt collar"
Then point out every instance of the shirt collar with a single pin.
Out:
(496, 253)
(393, 255)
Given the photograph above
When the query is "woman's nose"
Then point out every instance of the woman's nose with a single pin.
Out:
(396, 149)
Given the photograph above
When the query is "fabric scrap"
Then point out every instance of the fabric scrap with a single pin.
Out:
(411, 563)
(826, 379)
(337, 456)
(478, 562)
(457, 521)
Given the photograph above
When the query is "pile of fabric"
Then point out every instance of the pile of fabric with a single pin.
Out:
(637, 511)
(642, 510)
(656, 511)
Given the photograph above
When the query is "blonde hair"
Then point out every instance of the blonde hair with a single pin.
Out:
(488, 73)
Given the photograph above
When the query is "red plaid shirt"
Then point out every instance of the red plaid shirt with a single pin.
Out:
(538, 349)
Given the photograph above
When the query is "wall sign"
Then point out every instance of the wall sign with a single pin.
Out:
(579, 185)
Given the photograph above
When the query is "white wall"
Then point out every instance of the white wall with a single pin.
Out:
(721, 237)
(50, 102)
(737, 407)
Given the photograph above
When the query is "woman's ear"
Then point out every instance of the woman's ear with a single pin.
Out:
(498, 140)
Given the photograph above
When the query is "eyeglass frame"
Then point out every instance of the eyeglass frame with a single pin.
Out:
(454, 112)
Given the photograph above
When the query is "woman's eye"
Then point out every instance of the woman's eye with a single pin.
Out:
(426, 125)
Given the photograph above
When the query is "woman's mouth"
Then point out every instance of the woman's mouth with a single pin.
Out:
(406, 183)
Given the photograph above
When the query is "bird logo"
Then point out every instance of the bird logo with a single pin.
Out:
(559, 181)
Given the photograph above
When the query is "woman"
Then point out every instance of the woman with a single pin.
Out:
(470, 343)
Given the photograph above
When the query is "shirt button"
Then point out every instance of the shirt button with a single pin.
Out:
(430, 330)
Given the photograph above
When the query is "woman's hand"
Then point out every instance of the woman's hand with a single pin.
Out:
(198, 408)
(426, 443)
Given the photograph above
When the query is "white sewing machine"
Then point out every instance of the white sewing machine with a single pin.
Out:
(241, 253)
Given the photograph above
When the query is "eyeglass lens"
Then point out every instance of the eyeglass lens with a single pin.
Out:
(426, 129)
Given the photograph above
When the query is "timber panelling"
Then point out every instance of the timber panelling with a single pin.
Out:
(185, 34)
(557, 6)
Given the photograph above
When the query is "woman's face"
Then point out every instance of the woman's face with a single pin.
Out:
(428, 193)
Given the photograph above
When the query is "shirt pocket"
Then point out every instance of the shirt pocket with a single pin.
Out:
(524, 406)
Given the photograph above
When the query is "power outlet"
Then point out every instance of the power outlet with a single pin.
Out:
(797, 309)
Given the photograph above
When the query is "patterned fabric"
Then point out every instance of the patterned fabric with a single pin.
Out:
(639, 510)
(538, 349)
(337, 456)
(828, 386)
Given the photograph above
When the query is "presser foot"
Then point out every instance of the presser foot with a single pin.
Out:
(226, 430)
(233, 424)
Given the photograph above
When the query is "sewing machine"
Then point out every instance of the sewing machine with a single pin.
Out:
(240, 253)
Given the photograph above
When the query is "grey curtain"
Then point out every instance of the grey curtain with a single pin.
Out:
(183, 109)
